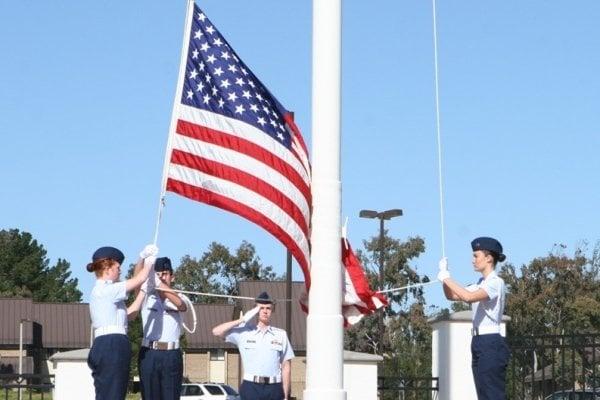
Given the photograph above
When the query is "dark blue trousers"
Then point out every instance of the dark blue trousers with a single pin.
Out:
(109, 360)
(490, 356)
(260, 391)
(161, 373)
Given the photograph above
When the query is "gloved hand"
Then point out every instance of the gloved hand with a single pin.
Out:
(250, 314)
(153, 280)
(443, 264)
(443, 269)
(149, 250)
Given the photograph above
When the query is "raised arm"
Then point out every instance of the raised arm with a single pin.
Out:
(165, 292)
(457, 292)
(222, 329)
(134, 308)
(143, 267)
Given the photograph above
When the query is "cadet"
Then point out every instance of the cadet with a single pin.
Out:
(265, 350)
(110, 354)
(489, 351)
(160, 360)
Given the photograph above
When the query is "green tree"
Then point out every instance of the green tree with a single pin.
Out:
(555, 294)
(558, 294)
(405, 342)
(25, 270)
(219, 270)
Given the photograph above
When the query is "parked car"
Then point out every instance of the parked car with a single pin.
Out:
(208, 391)
(587, 394)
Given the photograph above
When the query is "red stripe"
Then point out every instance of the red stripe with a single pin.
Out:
(244, 179)
(245, 147)
(358, 278)
(225, 203)
(289, 120)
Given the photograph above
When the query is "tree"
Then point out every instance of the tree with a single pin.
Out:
(219, 271)
(556, 294)
(405, 341)
(25, 270)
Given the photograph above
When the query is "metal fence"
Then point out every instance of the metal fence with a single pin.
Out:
(414, 388)
(554, 367)
(26, 386)
(544, 367)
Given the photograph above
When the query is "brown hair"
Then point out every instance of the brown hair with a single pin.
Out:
(497, 257)
(100, 265)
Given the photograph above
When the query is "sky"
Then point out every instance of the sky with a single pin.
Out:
(87, 90)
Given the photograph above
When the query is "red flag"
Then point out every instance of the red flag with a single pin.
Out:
(359, 299)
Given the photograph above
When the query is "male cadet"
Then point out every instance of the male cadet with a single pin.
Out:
(265, 350)
(160, 361)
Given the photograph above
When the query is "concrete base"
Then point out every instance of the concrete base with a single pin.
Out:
(324, 394)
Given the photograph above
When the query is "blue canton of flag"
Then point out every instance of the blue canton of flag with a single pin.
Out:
(217, 80)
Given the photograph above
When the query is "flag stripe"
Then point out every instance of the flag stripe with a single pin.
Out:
(242, 178)
(242, 154)
(245, 132)
(217, 199)
(241, 194)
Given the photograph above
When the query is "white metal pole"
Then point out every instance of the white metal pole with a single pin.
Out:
(20, 357)
(325, 334)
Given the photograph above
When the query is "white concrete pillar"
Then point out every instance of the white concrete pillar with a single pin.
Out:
(72, 376)
(451, 355)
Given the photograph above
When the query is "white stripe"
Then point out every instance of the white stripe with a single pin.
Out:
(245, 196)
(350, 295)
(244, 131)
(245, 163)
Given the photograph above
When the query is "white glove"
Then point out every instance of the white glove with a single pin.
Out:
(153, 280)
(250, 314)
(443, 275)
(443, 266)
(149, 250)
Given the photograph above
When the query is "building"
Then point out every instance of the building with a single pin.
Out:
(49, 328)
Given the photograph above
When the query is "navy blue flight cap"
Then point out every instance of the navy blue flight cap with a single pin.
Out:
(264, 298)
(163, 264)
(108, 252)
(489, 244)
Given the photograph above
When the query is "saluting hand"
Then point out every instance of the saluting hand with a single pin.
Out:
(250, 314)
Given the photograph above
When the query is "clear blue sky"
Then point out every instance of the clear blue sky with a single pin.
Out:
(87, 90)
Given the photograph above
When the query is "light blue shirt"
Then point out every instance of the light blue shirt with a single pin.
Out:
(488, 313)
(262, 352)
(107, 304)
(161, 319)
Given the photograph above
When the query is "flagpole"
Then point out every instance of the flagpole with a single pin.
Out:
(325, 335)
(173, 125)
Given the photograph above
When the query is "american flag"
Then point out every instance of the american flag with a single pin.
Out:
(234, 146)
(359, 299)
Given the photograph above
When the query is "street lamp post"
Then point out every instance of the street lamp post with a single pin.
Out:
(21, 354)
(382, 216)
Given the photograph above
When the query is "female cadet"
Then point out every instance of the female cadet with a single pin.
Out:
(110, 354)
(489, 351)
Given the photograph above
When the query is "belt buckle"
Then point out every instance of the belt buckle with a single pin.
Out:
(261, 379)
(160, 346)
